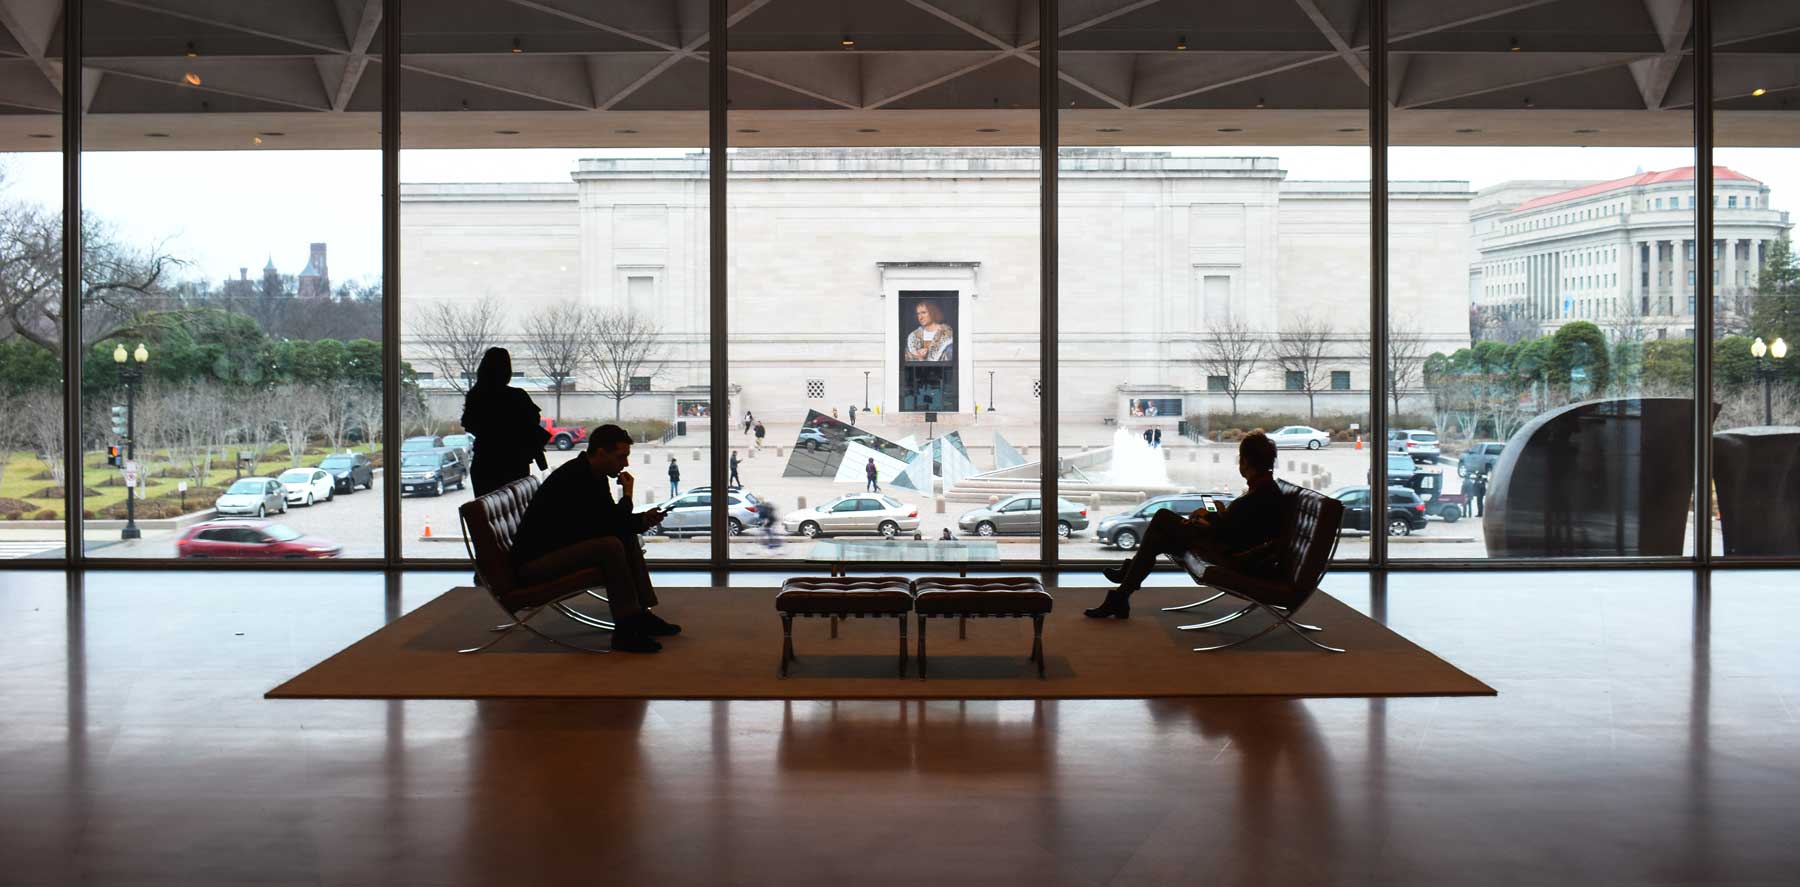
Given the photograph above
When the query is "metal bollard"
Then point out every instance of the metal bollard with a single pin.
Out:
(799, 502)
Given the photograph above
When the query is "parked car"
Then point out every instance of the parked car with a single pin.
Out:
(1127, 530)
(854, 514)
(349, 471)
(812, 438)
(257, 496)
(1422, 446)
(464, 443)
(563, 437)
(1479, 458)
(1400, 469)
(691, 513)
(304, 486)
(419, 444)
(1300, 436)
(1022, 515)
(1405, 510)
(251, 539)
(432, 472)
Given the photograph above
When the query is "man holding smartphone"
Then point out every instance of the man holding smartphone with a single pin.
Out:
(574, 522)
(1246, 535)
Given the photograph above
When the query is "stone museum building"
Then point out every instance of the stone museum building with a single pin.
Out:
(832, 249)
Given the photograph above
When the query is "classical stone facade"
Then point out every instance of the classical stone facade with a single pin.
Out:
(831, 248)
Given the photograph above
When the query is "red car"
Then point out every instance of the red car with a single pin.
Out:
(563, 437)
(249, 539)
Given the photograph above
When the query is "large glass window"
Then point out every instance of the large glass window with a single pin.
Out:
(231, 307)
(1536, 412)
(1756, 293)
(884, 291)
(575, 240)
(1214, 255)
(32, 465)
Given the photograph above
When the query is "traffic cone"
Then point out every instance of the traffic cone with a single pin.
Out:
(427, 533)
(1359, 441)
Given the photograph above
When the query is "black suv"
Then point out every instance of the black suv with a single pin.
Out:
(1406, 511)
(1127, 530)
(432, 471)
(349, 471)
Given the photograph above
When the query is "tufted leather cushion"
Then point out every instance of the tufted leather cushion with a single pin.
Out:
(491, 524)
(845, 595)
(943, 596)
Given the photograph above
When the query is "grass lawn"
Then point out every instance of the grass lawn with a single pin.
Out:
(27, 477)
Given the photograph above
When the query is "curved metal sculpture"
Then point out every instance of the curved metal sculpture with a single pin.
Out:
(1756, 473)
(1601, 478)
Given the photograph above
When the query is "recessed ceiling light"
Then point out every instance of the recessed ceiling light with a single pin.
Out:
(866, 129)
(1109, 129)
(1349, 129)
(1585, 131)
(516, 48)
(847, 42)
(42, 135)
(256, 140)
(192, 78)
(749, 130)
(1467, 130)
(1529, 103)
(1759, 91)
(1513, 44)
(1260, 103)
(156, 135)
(626, 132)
(1181, 43)
(192, 52)
(276, 133)
(1230, 129)
(987, 129)
(506, 132)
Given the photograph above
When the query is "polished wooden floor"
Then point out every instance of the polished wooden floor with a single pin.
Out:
(1642, 735)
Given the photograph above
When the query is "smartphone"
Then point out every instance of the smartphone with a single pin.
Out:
(1211, 504)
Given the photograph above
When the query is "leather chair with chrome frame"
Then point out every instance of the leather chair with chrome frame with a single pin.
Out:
(490, 524)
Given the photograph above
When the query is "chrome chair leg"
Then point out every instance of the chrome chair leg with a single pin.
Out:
(583, 618)
(1298, 629)
(1199, 603)
(1219, 621)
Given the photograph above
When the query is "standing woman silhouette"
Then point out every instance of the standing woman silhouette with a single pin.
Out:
(504, 420)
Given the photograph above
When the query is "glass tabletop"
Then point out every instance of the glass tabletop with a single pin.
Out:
(910, 551)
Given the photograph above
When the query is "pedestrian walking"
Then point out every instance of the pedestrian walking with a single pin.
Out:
(508, 434)
(1157, 442)
(1149, 438)
(674, 477)
(869, 471)
(747, 420)
(834, 412)
(1478, 492)
(853, 414)
(760, 431)
(734, 477)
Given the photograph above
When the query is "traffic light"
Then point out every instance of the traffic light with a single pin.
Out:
(114, 456)
(118, 421)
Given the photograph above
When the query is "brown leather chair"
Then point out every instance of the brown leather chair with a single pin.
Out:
(490, 524)
(1309, 537)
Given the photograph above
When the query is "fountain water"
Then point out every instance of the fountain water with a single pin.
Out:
(1135, 462)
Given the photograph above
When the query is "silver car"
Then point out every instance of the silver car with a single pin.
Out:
(256, 496)
(859, 513)
(691, 513)
(1021, 516)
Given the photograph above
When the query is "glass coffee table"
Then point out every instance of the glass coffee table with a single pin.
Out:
(840, 554)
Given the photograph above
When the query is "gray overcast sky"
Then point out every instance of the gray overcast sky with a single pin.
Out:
(226, 209)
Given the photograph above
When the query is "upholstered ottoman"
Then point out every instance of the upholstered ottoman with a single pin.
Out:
(1016, 596)
(841, 597)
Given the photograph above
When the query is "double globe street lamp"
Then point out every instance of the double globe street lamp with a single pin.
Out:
(1763, 352)
(131, 372)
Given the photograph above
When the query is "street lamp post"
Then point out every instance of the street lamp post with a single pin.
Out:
(1763, 352)
(130, 374)
(865, 389)
(990, 391)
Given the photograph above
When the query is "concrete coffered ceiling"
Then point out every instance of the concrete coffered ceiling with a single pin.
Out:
(624, 73)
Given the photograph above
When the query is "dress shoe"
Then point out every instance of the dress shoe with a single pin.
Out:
(1117, 605)
(630, 641)
(1116, 575)
(656, 626)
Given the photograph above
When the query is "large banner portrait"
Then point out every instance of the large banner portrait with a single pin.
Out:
(929, 351)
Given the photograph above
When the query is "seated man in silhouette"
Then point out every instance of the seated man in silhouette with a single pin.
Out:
(574, 522)
(1246, 536)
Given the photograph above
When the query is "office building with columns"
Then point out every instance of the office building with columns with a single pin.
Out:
(1619, 253)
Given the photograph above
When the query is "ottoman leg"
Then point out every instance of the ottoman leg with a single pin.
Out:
(1037, 642)
(787, 642)
(903, 645)
(922, 647)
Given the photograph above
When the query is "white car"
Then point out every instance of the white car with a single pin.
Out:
(304, 486)
(859, 513)
(257, 496)
(1300, 436)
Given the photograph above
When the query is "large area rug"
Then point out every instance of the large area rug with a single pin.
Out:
(731, 647)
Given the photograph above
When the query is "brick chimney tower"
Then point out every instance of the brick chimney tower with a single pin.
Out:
(315, 279)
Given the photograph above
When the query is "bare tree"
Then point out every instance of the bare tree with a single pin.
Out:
(453, 335)
(121, 287)
(1405, 352)
(299, 410)
(625, 347)
(559, 339)
(41, 412)
(1303, 348)
(338, 400)
(366, 412)
(1231, 352)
